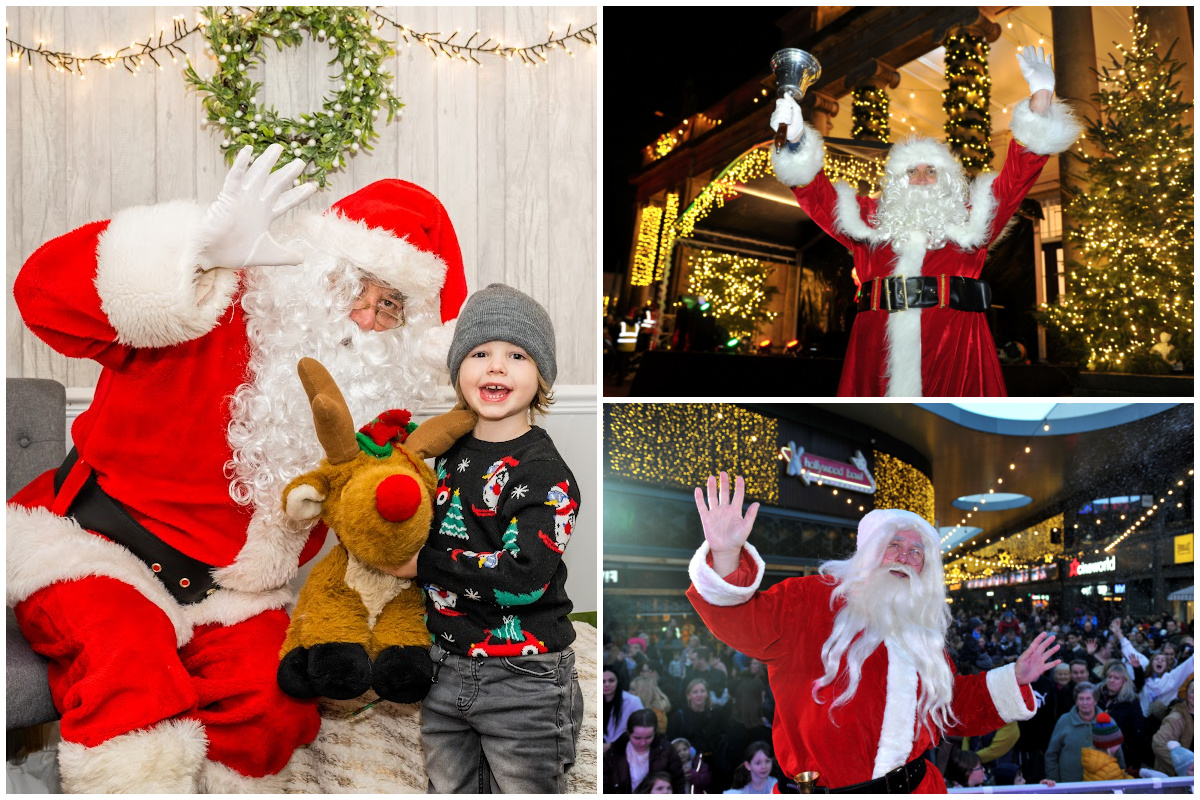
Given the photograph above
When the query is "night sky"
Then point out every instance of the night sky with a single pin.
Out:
(677, 61)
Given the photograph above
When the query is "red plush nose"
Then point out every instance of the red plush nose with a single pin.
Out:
(397, 498)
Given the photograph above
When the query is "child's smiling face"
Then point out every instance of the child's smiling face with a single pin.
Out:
(499, 380)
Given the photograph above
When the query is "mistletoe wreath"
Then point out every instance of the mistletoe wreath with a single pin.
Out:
(347, 117)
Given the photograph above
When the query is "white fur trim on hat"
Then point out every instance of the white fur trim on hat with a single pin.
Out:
(899, 713)
(713, 588)
(42, 549)
(916, 150)
(1045, 134)
(419, 274)
(976, 232)
(1006, 694)
(148, 280)
(216, 778)
(884, 523)
(799, 168)
(270, 557)
(163, 759)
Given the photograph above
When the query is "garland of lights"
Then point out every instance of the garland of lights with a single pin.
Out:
(679, 445)
(134, 57)
(662, 273)
(736, 286)
(899, 484)
(1135, 224)
(966, 100)
(869, 115)
(647, 246)
(347, 117)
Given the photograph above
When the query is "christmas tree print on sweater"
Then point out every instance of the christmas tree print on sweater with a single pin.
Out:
(490, 560)
(497, 479)
(510, 599)
(453, 524)
(519, 641)
(564, 517)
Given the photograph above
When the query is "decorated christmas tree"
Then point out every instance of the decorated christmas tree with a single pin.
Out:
(1134, 223)
(735, 287)
(509, 539)
(453, 525)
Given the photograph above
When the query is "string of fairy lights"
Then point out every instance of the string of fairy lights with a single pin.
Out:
(156, 48)
(870, 114)
(736, 287)
(646, 254)
(967, 100)
(1130, 295)
(1144, 518)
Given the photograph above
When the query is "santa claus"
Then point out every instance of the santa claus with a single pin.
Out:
(152, 568)
(856, 655)
(919, 248)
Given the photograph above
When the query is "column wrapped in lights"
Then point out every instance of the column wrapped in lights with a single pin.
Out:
(901, 485)
(966, 100)
(1134, 228)
(647, 246)
(870, 114)
(678, 445)
(666, 249)
(737, 288)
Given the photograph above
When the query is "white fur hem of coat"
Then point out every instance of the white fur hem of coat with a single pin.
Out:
(898, 728)
(148, 278)
(713, 588)
(163, 759)
(1045, 134)
(42, 549)
(799, 168)
(216, 778)
(1006, 694)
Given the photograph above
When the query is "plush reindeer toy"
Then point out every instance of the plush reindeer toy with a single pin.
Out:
(355, 626)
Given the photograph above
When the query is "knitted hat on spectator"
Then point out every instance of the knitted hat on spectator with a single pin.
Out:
(638, 640)
(1105, 733)
(1180, 757)
(500, 313)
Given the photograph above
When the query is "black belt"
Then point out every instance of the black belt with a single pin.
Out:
(901, 780)
(934, 291)
(188, 580)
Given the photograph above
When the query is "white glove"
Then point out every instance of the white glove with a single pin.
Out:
(787, 110)
(1037, 68)
(236, 229)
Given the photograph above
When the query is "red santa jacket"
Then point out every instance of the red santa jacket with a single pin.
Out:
(877, 731)
(954, 349)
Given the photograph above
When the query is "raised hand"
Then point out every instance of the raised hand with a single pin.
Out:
(787, 110)
(725, 529)
(1091, 646)
(1032, 663)
(1037, 67)
(1115, 627)
(236, 229)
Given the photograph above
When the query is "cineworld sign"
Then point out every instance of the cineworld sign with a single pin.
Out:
(818, 469)
(1077, 568)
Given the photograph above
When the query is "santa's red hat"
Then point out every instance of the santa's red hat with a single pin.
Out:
(402, 235)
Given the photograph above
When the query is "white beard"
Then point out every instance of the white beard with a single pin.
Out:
(905, 209)
(908, 613)
(293, 312)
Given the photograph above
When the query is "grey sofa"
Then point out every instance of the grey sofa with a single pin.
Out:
(36, 441)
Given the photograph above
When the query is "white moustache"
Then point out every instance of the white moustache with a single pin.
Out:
(898, 567)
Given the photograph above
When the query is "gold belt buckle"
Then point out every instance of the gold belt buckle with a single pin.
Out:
(903, 293)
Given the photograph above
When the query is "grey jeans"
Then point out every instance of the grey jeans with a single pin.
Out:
(505, 724)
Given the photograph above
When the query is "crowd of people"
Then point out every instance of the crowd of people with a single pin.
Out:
(684, 713)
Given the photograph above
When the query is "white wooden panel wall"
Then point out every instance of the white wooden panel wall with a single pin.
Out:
(510, 151)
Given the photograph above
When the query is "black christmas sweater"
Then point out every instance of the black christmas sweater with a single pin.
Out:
(492, 569)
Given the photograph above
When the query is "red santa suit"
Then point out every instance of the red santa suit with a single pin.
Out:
(877, 730)
(157, 693)
(938, 351)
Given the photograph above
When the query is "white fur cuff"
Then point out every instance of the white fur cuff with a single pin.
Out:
(1006, 694)
(148, 279)
(1046, 134)
(163, 759)
(713, 588)
(799, 168)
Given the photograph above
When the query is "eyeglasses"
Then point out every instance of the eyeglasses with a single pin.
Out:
(915, 556)
(389, 309)
(978, 769)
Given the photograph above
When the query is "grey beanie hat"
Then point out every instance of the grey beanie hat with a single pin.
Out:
(500, 313)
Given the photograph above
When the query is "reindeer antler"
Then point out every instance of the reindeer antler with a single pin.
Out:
(335, 426)
(435, 436)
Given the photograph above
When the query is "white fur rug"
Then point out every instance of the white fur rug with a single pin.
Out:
(379, 751)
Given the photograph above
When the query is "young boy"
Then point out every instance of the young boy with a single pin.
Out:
(1100, 761)
(505, 708)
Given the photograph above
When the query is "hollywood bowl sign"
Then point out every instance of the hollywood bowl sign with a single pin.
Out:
(818, 469)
